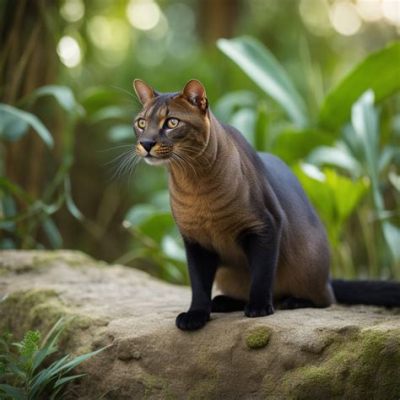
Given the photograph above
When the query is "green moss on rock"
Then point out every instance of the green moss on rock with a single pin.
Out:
(38, 309)
(24, 310)
(41, 260)
(258, 337)
(364, 366)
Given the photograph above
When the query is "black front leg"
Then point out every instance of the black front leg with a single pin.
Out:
(202, 265)
(262, 249)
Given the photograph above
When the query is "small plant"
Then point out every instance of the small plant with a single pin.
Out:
(23, 213)
(23, 374)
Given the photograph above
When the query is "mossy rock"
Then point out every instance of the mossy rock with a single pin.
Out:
(258, 337)
(364, 366)
(335, 353)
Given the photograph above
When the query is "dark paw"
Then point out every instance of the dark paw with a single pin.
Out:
(254, 311)
(224, 304)
(192, 320)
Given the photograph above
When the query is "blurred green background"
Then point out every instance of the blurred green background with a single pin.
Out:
(314, 81)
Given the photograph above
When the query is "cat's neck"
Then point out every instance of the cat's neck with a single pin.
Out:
(193, 169)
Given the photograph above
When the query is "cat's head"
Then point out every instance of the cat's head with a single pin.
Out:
(171, 126)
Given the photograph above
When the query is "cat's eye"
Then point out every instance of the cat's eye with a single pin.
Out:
(172, 123)
(141, 123)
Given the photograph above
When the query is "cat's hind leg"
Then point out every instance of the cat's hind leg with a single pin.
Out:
(292, 303)
(223, 304)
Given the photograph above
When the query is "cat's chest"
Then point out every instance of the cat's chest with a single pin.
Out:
(214, 219)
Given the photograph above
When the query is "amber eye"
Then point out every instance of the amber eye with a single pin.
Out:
(172, 123)
(141, 123)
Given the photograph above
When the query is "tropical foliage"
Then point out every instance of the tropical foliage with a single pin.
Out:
(327, 105)
(25, 370)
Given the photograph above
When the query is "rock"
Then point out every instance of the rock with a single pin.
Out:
(335, 353)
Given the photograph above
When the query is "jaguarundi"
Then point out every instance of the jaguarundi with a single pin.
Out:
(244, 218)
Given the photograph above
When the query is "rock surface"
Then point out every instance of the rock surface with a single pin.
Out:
(334, 353)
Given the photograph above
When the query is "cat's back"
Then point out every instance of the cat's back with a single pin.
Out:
(288, 189)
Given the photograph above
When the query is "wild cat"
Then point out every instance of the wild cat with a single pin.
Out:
(244, 218)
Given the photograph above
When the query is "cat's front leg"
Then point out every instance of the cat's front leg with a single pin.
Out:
(262, 249)
(202, 265)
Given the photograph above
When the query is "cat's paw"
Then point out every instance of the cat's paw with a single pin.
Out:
(254, 311)
(192, 320)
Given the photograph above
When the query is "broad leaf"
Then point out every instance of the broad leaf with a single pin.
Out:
(63, 95)
(31, 120)
(337, 157)
(12, 127)
(262, 67)
(333, 195)
(245, 122)
(150, 221)
(232, 102)
(294, 145)
(380, 72)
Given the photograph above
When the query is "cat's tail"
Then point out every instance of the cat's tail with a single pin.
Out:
(377, 293)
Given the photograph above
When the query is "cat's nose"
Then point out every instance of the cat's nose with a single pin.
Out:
(147, 144)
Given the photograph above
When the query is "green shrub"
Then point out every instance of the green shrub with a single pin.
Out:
(25, 372)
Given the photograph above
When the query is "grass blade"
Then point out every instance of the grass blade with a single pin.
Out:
(13, 392)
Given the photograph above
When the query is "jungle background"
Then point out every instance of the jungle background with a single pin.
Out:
(314, 81)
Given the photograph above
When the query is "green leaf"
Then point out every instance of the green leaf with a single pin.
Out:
(12, 127)
(70, 203)
(337, 157)
(8, 209)
(52, 233)
(394, 179)
(51, 338)
(262, 67)
(65, 366)
(14, 392)
(31, 120)
(244, 121)
(30, 343)
(262, 133)
(121, 132)
(380, 72)
(294, 145)
(392, 238)
(98, 97)
(148, 220)
(67, 379)
(364, 119)
(334, 196)
(14, 367)
(63, 95)
(40, 356)
(45, 376)
(231, 102)
(111, 112)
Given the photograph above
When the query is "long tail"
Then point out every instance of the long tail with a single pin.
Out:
(377, 293)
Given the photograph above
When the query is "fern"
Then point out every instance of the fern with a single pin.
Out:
(23, 374)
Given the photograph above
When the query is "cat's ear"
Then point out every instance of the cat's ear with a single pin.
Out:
(196, 94)
(143, 91)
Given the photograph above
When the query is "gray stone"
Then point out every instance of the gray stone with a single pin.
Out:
(334, 353)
